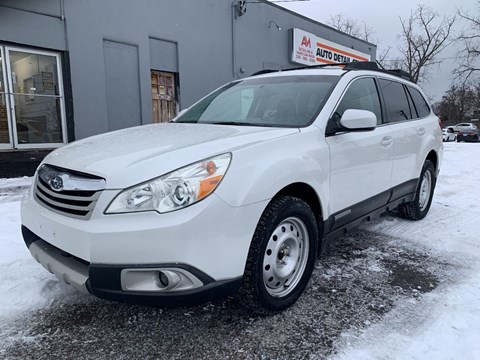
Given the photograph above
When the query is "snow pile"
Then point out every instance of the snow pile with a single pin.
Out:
(24, 284)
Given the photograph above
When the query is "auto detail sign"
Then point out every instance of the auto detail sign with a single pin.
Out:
(309, 49)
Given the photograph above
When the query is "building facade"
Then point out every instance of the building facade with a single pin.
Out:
(75, 68)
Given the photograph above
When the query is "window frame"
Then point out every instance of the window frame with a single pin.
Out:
(414, 103)
(345, 90)
(385, 103)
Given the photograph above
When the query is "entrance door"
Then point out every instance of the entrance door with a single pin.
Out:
(32, 91)
(5, 131)
(164, 104)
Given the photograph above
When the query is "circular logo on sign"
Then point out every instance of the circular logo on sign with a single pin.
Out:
(56, 183)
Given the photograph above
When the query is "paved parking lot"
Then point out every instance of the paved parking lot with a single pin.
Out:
(364, 275)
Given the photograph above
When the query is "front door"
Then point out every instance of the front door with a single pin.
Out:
(164, 103)
(361, 161)
(32, 113)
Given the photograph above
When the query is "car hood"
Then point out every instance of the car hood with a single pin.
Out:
(130, 156)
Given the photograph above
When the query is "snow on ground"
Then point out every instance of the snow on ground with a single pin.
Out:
(452, 229)
(371, 298)
(22, 285)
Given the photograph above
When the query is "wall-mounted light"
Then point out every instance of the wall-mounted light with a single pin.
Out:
(276, 25)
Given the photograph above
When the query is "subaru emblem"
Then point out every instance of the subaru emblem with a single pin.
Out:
(56, 183)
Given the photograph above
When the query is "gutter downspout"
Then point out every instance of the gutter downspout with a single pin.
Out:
(62, 10)
(234, 51)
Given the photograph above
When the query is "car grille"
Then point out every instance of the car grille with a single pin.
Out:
(68, 192)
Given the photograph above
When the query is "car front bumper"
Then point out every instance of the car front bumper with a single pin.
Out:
(121, 257)
(105, 281)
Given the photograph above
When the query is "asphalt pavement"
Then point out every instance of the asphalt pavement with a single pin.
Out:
(363, 276)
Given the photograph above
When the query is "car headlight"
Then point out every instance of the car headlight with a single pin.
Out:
(173, 191)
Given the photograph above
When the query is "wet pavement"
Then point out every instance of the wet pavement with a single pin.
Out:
(363, 276)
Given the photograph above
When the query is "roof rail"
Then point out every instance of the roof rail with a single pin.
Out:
(370, 65)
(357, 65)
(264, 71)
(267, 71)
(402, 73)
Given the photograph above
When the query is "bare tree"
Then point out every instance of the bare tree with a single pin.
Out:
(458, 103)
(470, 54)
(383, 57)
(351, 27)
(425, 34)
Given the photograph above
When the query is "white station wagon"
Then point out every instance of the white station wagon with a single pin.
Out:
(240, 193)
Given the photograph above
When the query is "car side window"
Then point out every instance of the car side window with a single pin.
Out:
(396, 101)
(423, 109)
(413, 109)
(362, 94)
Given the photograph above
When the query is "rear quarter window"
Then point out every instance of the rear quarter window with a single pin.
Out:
(423, 109)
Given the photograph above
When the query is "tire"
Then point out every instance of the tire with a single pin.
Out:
(418, 208)
(281, 257)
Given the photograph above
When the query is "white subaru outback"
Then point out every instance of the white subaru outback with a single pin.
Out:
(240, 193)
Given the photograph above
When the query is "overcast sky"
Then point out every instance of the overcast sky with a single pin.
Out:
(384, 18)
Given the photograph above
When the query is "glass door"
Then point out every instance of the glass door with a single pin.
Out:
(37, 113)
(5, 131)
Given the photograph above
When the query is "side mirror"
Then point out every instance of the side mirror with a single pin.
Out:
(358, 120)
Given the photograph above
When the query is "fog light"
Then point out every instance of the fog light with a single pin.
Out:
(168, 279)
(163, 279)
(158, 279)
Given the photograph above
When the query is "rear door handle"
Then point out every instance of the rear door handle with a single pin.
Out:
(421, 131)
(386, 141)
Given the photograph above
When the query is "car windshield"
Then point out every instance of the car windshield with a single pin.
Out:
(287, 101)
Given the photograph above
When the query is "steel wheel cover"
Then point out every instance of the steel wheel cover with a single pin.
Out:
(425, 190)
(285, 257)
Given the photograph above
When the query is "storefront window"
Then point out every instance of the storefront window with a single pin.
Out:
(4, 130)
(31, 83)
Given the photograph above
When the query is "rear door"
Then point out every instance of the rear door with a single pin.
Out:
(410, 128)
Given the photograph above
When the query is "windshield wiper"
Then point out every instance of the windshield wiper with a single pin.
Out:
(182, 122)
(239, 123)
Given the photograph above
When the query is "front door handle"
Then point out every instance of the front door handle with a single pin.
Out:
(386, 141)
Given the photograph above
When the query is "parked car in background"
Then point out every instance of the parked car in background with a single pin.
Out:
(469, 135)
(448, 134)
(464, 126)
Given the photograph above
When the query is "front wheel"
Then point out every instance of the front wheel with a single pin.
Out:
(418, 208)
(281, 256)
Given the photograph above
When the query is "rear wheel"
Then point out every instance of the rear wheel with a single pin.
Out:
(418, 208)
(281, 256)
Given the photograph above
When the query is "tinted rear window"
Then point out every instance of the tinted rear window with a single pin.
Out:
(396, 102)
(420, 103)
